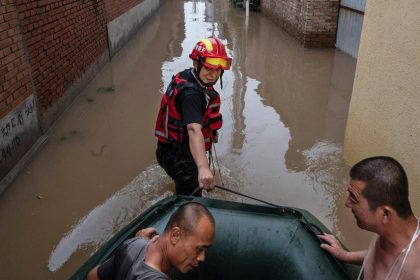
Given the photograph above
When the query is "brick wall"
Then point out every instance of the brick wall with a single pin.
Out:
(49, 51)
(312, 22)
(115, 8)
(64, 38)
(288, 14)
(15, 81)
(321, 23)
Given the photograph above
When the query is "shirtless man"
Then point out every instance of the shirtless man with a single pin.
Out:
(378, 198)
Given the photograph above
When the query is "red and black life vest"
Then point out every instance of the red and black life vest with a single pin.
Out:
(169, 128)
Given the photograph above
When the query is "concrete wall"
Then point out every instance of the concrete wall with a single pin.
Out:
(384, 117)
(312, 22)
(124, 26)
(19, 133)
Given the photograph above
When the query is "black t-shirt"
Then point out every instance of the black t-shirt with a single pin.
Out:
(191, 103)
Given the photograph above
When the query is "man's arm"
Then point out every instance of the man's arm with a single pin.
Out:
(334, 248)
(198, 152)
(149, 234)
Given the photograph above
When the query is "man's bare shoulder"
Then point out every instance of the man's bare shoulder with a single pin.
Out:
(411, 268)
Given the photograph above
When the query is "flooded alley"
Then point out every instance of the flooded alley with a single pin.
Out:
(284, 109)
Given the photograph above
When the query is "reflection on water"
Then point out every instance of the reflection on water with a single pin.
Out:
(284, 119)
(284, 109)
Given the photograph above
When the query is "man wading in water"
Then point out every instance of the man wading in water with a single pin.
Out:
(189, 118)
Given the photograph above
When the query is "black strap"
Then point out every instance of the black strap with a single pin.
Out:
(247, 196)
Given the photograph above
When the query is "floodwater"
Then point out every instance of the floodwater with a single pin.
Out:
(284, 108)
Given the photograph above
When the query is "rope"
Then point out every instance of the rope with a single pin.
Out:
(247, 196)
(312, 227)
(196, 189)
(231, 191)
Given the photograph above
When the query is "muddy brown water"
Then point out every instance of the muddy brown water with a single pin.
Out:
(284, 108)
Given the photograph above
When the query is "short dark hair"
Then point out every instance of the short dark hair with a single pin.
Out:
(187, 217)
(386, 183)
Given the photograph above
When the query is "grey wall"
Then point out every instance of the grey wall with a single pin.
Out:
(123, 27)
(350, 22)
(18, 132)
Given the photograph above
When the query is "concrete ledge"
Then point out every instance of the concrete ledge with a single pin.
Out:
(19, 130)
(123, 27)
(5, 182)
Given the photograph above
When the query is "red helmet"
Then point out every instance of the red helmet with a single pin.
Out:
(211, 53)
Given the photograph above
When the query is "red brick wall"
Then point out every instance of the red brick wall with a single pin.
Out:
(290, 15)
(49, 50)
(15, 81)
(312, 22)
(115, 8)
(321, 23)
(64, 38)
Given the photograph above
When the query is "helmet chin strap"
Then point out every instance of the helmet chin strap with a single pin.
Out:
(210, 84)
(196, 73)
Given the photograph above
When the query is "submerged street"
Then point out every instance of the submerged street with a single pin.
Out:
(284, 110)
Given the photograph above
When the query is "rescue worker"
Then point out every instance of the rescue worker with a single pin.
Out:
(189, 117)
